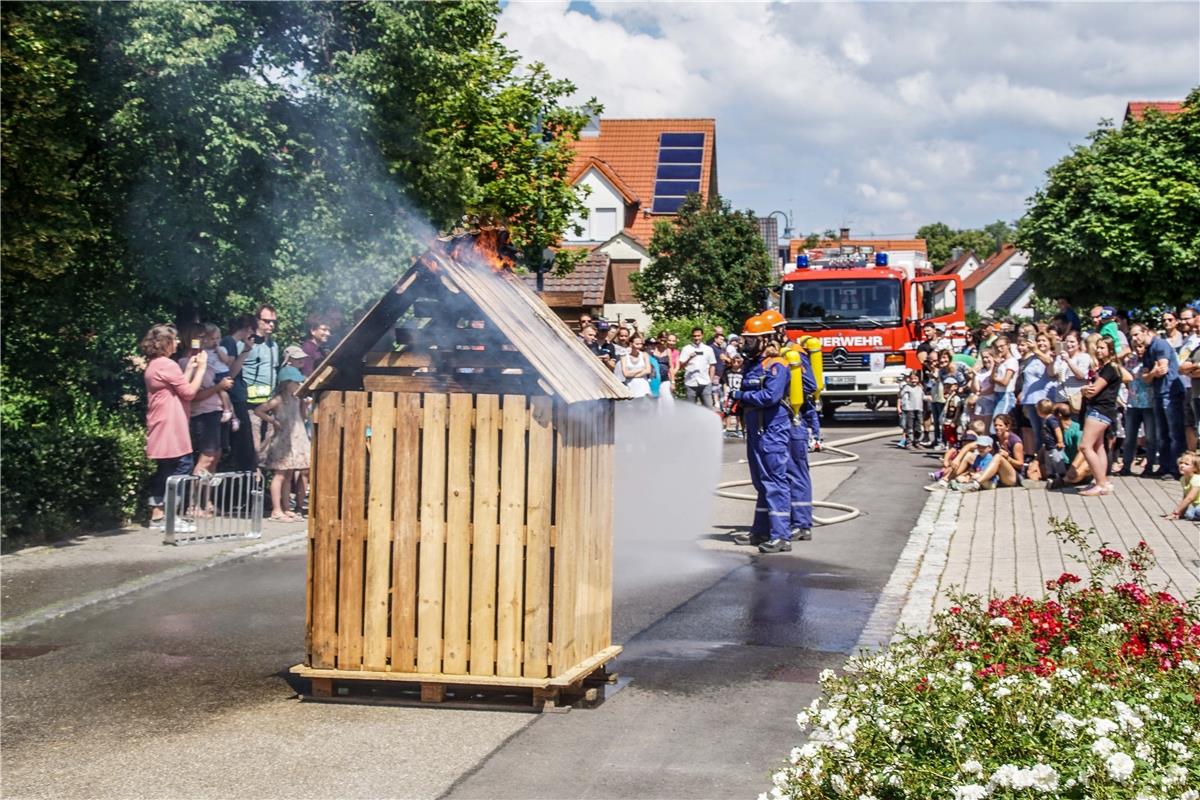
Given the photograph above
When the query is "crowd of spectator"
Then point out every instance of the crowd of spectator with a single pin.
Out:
(705, 370)
(1061, 401)
(229, 403)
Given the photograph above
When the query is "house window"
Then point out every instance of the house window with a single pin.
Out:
(604, 224)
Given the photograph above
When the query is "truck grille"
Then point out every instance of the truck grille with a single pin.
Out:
(847, 362)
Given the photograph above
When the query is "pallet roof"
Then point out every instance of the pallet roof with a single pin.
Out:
(563, 366)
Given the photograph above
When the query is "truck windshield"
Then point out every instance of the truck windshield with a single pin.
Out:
(871, 302)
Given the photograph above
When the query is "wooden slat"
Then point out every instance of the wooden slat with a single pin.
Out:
(604, 486)
(568, 486)
(326, 519)
(407, 532)
(458, 534)
(379, 531)
(512, 521)
(537, 540)
(430, 583)
(587, 567)
(311, 554)
(354, 526)
(483, 553)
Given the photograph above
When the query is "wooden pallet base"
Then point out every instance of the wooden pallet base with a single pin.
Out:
(581, 686)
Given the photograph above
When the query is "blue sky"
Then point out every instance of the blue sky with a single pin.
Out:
(877, 116)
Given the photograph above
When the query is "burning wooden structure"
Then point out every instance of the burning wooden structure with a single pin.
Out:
(460, 528)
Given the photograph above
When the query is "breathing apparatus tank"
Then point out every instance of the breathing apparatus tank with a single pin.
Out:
(795, 381)
(817, 360)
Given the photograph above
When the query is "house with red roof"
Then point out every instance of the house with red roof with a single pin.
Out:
(1000, 285)
(962, 263)
(1136, 109)
(638, 173)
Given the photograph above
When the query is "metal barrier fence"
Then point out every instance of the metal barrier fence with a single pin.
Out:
(207, 508)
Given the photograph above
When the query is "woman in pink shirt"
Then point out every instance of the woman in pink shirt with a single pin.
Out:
(169, 391)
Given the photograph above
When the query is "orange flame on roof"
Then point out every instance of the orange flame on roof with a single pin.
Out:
(486, 247)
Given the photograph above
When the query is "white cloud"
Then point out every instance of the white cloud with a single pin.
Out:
(884, 115)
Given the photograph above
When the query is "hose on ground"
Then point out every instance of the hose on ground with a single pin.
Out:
(843, 457)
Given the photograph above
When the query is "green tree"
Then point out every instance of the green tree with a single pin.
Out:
(1118, 220)
(710, 262)
(942, 240)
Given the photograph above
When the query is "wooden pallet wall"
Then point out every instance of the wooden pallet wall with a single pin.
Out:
(459, 534)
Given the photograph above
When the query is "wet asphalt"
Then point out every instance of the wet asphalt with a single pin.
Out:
(182, 690)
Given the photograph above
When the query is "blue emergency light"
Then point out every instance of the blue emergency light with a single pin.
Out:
(802, 261)
(881, 259)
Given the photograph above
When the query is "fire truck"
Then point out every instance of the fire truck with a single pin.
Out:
(868, 311)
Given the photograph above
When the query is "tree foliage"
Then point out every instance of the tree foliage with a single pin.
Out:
(711, 262)
(1118, 220)
(942, 240)
(174, 160)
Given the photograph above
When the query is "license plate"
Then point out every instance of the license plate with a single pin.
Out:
(839, 380)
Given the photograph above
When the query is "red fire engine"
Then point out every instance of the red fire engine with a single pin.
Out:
(868, 314)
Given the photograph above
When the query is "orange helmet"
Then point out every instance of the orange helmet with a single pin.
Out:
(756, 326)
(773, 317)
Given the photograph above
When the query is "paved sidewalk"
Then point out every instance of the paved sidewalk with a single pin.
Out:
(1000, 544)
(40, 583)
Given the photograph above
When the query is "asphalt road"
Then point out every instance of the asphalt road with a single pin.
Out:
(181, 690)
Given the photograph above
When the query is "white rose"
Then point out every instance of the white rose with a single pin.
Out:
(1102, 727)
(1119, 766)
(1045, 778)
(971, 791)
(1103, 746)
(1001, 622)
(971, 767)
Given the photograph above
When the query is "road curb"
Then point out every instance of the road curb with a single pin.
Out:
(70, 606)
(907, 598)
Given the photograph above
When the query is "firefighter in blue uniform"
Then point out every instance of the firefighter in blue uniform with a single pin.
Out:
(800, 403)
(763, 396)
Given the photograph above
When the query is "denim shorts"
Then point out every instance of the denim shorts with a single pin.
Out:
(1096, 415)
(1005, 403)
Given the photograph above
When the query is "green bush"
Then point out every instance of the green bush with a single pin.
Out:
(85, 471)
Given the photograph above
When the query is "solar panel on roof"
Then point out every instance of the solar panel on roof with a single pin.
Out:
(675, 188)
(667, 205)
(680, 161)
(680, 155)
(681, 140)
(676, 172)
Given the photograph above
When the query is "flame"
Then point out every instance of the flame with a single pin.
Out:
(486, 247)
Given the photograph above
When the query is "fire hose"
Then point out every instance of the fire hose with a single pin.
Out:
(844, 457)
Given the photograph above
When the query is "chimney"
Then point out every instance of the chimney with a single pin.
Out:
(955, 253)
(844, 233)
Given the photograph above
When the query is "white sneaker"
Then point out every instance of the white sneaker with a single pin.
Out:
(183, 526)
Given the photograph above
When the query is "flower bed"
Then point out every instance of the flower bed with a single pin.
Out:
(1092, 691)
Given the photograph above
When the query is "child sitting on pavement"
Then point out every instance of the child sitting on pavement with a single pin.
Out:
(1189, 506)
(957, 460)
(1003, 463)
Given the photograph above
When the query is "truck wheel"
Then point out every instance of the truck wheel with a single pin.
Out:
(827, 411)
